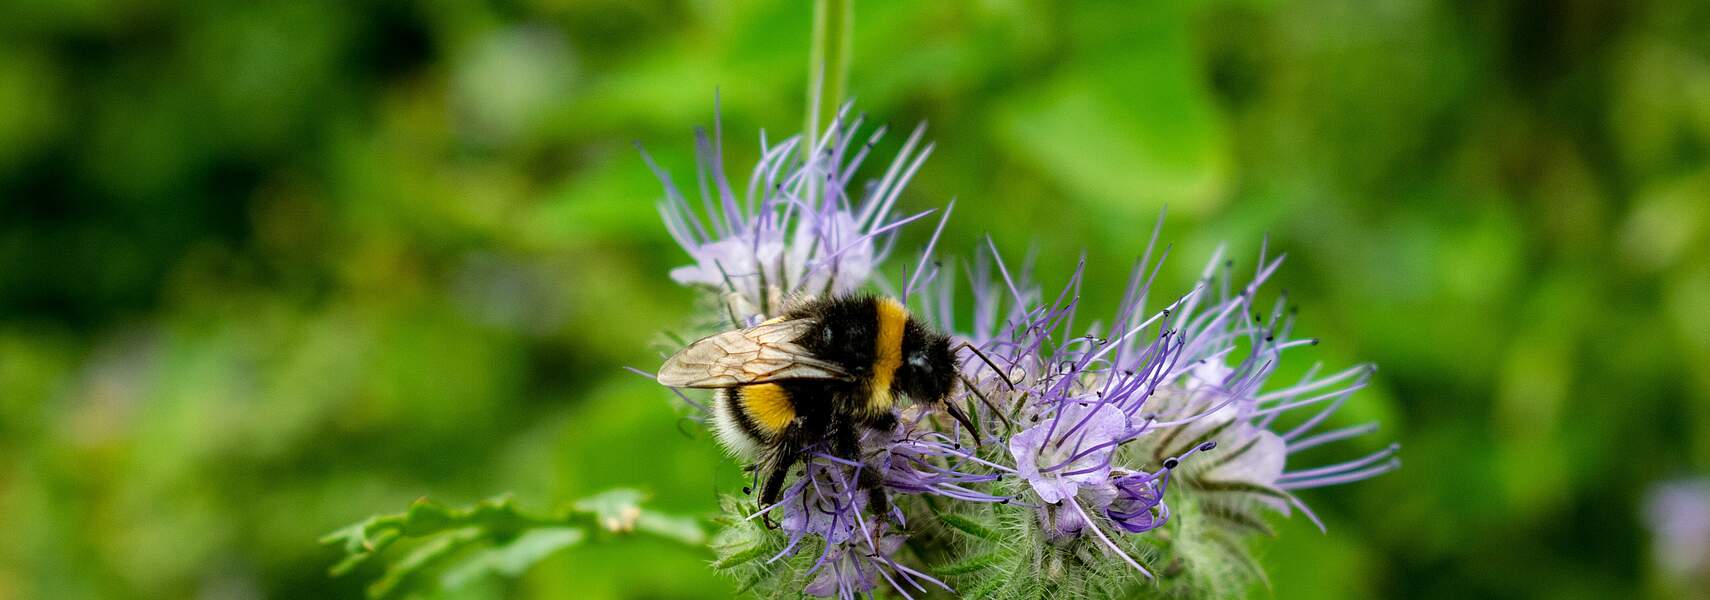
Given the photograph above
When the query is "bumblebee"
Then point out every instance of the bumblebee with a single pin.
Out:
(816, 377)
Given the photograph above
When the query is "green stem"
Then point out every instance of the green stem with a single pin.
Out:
(828, 63)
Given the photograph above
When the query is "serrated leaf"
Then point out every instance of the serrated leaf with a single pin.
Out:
(681, 529)
(739, 557)
(757, 579)
(424, 517)
(977, 563)
(614, 510)
(968, 526)
(738, 545)
(521, 539)
(513, 558)
(419, 559)
(363, 540)
(985, 588)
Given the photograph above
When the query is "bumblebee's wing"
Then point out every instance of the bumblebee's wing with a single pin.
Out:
(762, 353)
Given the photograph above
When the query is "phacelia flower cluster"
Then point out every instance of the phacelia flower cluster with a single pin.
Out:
(1091, 439)
(797, 229)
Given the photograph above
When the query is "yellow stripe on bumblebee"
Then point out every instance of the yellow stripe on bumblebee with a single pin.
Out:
(893, 316)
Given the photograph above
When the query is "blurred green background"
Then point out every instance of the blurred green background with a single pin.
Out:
(267, 268)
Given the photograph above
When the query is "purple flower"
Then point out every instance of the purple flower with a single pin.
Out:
(796, 229)
(920, 460)
(1061, 523)
(1168, 381)
(846, 572)
(857, 546)
(823, 504)
(1678, 514)
(1216, 397)
(1139, 503)
(1058, 456)
(826, 504)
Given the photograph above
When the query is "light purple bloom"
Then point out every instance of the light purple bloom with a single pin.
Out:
(1167, 380)
(846, 572)
(857, 549)
(1058, 456)
(1678, 514)
(1139, 503)
(919, 460)
(798, 228)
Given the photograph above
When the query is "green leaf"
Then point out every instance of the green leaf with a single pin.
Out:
(968, 526)
(419, 559)
(970, 565)
(739, 543)
(514, 558)
(985, 588)
(455, 541)
(739, 557)
(619, 511)
(685, 530)
(614, 510)
(757, 579)
(368, 538)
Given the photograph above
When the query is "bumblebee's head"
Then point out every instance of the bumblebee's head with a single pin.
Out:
(928, 370)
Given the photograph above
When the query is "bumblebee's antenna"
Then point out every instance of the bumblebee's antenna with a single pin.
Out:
(984, 400)
(989, 362)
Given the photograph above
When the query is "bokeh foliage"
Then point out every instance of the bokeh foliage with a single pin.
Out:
(268, 268)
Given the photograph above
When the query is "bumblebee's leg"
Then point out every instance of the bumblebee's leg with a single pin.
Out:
(885, 422)
(849, 446)
(785, 454)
